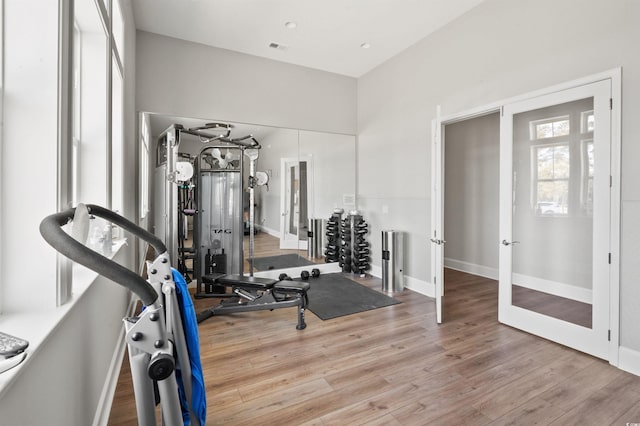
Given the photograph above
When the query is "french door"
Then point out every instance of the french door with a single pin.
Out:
(555, 206)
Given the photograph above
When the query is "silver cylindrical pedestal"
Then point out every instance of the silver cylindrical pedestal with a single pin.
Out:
(316, 238)
(392, 261)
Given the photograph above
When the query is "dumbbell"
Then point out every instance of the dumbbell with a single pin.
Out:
(284, 277)
(315, 272)
(304, 275)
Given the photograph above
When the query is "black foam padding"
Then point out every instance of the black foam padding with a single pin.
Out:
(292, 286)
(211, 278)
(51, 231)
(246, 282)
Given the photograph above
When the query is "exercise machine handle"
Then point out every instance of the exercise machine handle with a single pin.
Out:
(51, 230)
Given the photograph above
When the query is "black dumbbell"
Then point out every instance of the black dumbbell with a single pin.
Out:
(315, 272)
(284, 277)
(304, 275)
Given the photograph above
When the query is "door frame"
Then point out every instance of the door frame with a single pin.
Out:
(437, 180)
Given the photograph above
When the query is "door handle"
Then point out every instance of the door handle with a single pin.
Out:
(437, 241)
(508, 243)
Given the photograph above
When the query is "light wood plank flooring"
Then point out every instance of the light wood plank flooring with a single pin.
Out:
(395, 366)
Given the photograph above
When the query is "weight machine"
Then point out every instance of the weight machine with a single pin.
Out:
(216, 179)
(220, 185)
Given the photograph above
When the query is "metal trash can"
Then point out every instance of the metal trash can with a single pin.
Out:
(392, 261)
(315, 240)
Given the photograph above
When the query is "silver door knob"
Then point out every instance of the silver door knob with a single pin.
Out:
(508, 243)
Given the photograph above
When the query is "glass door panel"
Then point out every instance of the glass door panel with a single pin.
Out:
(553, 261)
(554, 216)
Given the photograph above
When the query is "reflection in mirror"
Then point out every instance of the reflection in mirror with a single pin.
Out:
(309, 174)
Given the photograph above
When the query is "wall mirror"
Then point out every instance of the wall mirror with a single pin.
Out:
(310, 174)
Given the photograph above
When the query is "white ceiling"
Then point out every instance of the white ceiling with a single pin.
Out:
(328, 34)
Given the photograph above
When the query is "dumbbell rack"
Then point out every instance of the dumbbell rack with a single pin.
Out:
(332, 249)
(354, 248)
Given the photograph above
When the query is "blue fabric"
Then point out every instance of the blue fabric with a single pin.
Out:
(190, 325)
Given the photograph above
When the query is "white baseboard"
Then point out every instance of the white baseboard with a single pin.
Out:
(413, 284)
(471, 268)
(272, 232)
(551, 287)
(324, 268)
(629, 360)
(546, 286)
(103, 410)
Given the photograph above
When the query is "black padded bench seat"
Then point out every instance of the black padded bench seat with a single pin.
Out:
(292, 287)
(212, 278)
(254, 283)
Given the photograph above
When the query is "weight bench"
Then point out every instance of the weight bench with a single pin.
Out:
(256, 294)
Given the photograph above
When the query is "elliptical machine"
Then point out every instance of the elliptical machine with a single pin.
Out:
(163, 338)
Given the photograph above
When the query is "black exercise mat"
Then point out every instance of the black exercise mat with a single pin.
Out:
(279, 262)
(333, 295)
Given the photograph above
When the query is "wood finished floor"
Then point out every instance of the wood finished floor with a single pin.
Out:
(395, 366)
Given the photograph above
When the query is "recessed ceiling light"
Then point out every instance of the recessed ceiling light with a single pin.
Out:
(291, 25)
(365, 45)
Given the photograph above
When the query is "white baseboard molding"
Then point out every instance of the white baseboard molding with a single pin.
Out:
(272, 232)
(325, 268)
(629, 360)
(471, 268)
(103, 410)
(546, 286)
(551, 287)
(413, 284)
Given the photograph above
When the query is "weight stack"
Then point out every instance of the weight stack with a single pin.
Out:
(354, 248)
(332, 234)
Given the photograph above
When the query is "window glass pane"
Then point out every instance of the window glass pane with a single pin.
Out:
(552, 197)
(544, 130)
(117, 168)
(90, 108)
(587, 121)
(550, 128)
(561, 128)
(553, 162)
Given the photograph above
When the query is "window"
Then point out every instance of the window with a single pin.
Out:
(97, 109)
(91, 107)
(552, 171)
(562, 159)
(550, 127)
(117, 133)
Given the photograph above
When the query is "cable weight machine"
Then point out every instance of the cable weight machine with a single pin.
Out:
(217, 183)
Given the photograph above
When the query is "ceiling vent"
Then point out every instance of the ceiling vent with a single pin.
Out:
(277, 46)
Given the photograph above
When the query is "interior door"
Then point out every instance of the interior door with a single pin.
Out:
(555, 216)
(437, 207)
(290, 203)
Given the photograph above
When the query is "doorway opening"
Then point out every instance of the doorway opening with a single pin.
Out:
(471, 208)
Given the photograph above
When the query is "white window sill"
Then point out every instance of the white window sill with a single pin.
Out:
(37, 326)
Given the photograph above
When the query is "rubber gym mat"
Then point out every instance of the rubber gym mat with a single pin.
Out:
(333, 295)
(280, 262)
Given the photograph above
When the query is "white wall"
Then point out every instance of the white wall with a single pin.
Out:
(472, 178)
(500, 49)
(187, 79)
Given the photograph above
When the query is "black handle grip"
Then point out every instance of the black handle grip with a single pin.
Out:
(51, 230)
